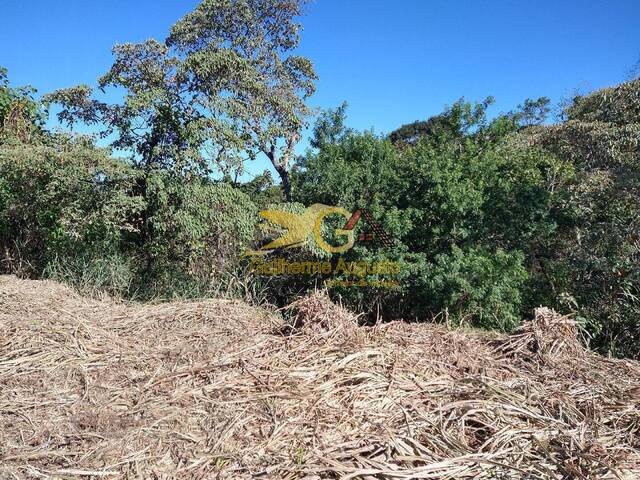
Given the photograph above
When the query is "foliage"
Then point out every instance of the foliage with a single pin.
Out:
(70, 211)
(262, 190)
(238, 54)
(224, 87)
(532, 112)
(196, 234)
(93, 273)
(445, 125)
(61, 202)
(21, 116)
(493, 218)
(330, 127)
(488, 217)
(461, 204)
(619, 105)
(592, 263)
(478, 286)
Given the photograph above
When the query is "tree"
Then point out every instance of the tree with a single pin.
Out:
(330, 127)
(532, 112)
(443, 126)
(20, 115)
(238, 55)
(223, 88)
(158, 120)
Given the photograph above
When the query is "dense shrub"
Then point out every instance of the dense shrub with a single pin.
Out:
(71, 211)
(478, 286)
(195, 234)
(462, 206)
(591, 264)
(60, 202)
(493, 218)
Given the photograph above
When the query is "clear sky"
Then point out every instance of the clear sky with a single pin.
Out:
(392, 61)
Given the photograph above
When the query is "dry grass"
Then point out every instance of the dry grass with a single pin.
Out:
(215, 389)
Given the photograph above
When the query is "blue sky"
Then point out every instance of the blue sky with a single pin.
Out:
(392, 61)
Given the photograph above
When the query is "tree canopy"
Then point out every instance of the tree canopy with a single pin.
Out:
(223, 88)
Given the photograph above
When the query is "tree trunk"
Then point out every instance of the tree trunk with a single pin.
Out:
(282, 167)
(286, 184)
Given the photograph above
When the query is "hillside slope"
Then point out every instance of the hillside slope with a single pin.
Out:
(218, 389)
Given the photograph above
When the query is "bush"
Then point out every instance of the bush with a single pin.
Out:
(63, 201)
(196, 232)
(478, 286)
(463, 206)
(69, 211)
(591, 263)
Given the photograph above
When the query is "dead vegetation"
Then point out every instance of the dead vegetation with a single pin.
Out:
(215, 389)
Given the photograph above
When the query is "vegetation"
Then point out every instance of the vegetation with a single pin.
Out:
(490, 216)
(223, 87)
(463, 206)
(70, 211)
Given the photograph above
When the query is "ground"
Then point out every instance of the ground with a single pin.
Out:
(217, 389)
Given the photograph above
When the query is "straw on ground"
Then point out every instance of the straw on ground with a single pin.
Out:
(218, 389)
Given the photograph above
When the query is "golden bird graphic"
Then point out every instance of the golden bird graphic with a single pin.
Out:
(299, 227)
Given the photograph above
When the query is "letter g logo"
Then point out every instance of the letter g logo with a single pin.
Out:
(317, 231)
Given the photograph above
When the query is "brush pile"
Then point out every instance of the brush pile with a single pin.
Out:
(218, 389)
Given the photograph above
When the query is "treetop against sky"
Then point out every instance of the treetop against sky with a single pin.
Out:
(393, 62)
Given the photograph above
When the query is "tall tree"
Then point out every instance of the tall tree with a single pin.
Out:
(157, 120)
(223, 88)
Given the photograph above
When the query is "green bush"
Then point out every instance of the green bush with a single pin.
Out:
(461, 204)
(591, 263)
(196, 231)
(71, 212)
(478, 286)
(62, 201)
